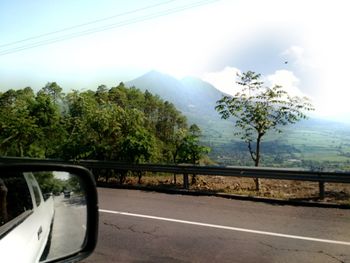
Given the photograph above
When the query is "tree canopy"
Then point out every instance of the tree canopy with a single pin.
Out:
(258, 109)
(118, 123)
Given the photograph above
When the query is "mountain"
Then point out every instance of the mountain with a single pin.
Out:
(309, 143)
(194, 97)
(165, 86)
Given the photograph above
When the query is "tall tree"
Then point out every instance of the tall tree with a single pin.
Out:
(190, 150)
(46, 111)
(18, 129)
(258, 109)
(120, 123)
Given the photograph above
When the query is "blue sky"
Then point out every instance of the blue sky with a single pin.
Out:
(209, 39)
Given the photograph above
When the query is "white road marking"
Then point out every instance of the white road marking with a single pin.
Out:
(228, 228)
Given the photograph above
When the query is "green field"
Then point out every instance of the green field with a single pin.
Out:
(309, 144)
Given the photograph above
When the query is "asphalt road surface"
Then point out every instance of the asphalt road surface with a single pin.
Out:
(137, 226)
(69, 226)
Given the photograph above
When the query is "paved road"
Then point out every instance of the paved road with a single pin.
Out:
(69, 226)
(138, 226)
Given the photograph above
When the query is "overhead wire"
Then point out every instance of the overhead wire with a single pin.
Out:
(87, 23)
(104, 28)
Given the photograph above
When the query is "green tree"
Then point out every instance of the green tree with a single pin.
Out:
(168, 129)
(48, 183)
(118, 95)
(190, 150)
(54, 91)
(121, 124)
(18, 128)
(76, 145)
(258, 109)
(46, 111)
(93, 126)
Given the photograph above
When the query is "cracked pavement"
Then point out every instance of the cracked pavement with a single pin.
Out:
(124, 238)
(134, 229)
(338, 258)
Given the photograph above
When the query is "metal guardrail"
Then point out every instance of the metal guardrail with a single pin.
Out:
(250, 172)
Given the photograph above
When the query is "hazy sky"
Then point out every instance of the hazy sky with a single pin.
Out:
(303, 45)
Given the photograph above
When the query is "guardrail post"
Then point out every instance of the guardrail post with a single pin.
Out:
(321, 189)
(186, 184)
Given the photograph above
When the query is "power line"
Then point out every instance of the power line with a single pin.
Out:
(106, 27)
(87, 23)
(103, 28)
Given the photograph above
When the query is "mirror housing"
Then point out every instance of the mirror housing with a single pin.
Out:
(88, 194)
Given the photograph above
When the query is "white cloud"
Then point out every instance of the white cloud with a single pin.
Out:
(287, 80)
(224, 80)
(298, 57)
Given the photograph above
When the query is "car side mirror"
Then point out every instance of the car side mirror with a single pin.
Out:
(48, 213)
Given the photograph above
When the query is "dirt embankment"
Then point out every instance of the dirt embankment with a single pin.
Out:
(276, 189)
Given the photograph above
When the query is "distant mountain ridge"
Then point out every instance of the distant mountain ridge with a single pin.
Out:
(185, 93)
(194, 97)
(309, 143)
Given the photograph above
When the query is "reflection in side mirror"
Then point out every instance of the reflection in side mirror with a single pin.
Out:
(46, 214)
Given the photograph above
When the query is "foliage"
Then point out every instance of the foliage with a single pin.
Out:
(74, 184)
(258, 109)
(48, 183)
(120, 124)
(190, 150)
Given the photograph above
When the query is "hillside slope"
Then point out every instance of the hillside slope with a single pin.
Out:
(194, 97)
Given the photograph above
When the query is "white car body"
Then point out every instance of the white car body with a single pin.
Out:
(26, 241)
